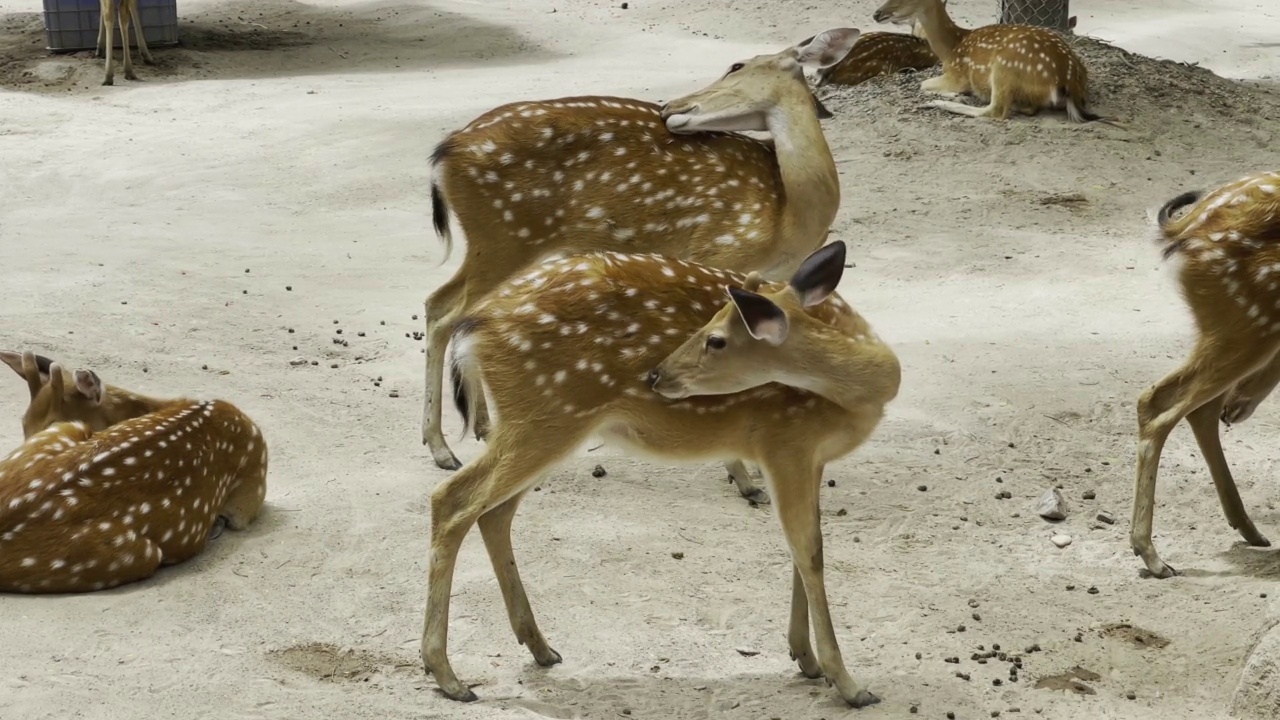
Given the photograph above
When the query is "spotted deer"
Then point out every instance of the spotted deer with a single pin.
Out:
(126, 12)
(1227, 244)
(1014, 68)
(670, 358)
(529, 180)
(109, 485)
(880, 53)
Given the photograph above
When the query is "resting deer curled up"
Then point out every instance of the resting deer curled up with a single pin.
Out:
(110, 485)
(531, 180)
(669, 358)
(1014, 68)
(1227, 243)
(879, 53)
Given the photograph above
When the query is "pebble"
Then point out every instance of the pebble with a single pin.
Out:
(951, 715)
(298, 361)
(831, 483)
(1093, 590)
(918, 655)
(922, 488)
(395, 393)
(1052, 505)
(1131, 695)
(952, 660)
(1106, 517)
(289, 288)
(1004, 495)
(747, 652)
(599, 471)
(1089, 495)
(977, 617)
(1061, 540)
(914, 710)
(290, 330)
(334, 366)
(962, 675)
(677, 555)
(841, 512)
(360, 334)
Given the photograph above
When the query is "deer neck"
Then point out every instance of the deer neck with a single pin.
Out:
(940, 31)
(850, 373)
(811, 185)
(119, 405)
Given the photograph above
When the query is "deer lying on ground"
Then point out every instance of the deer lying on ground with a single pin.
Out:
(109, 485)
(127, 12)
(531, 180)
(880, 53)
(1014, 68)
(783, 374)
(1228, 242)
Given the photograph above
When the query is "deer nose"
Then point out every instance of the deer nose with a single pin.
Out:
(654, 376)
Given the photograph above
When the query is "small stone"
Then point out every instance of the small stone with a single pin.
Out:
(395, 393)
(995, 646)
(951, 715)
(962, 676)
(289, 288)
(335, 322)
(626, 711)
(204, 367)
(625, 6)
(922, 488)
(913, 710)
(339, 331)
(415, 317)
(1061, 540)
(952, 660)
(382, 322)
(246, 270)
(360, 334)
(977, 617)
(973, 603)
(1093, 590)
(841, 512)
(744, 652)
(1089, 495)
(1071, 587)
(1052, 505)
(918, 656)
(298, 361)
(831, 483)
(1131, 695)
(290, 330)
(1078, 638)
(244, 292)
(334, 366)
(677, 555)
(997, 682)
(995, 713)
(599, 471)
(960, 629)
(1106, 517)
(1033, 648)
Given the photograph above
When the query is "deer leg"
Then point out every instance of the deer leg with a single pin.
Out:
(495, 528)
(108, 26)
(944, 85)
(244, 501)
(102, 28)
(1204, 423)
(440, 310)
(795, 495)
(137, 31)
(1242, 400)
(1213, 367)
(997, 108)
(123, 16)
(739, 476)
(798, 629)
(507, 468)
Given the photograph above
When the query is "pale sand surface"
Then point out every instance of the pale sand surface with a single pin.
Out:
(291, 140)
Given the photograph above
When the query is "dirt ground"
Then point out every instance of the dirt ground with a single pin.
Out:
(265, 185)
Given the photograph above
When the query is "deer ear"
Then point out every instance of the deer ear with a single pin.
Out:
(819, 274)
(13, 360)
(764, 320)
(88, 385)
(826, 48)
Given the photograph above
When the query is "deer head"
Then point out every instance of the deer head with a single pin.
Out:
(742, 99)
(904, 12)
(757, 338)
(58, 395)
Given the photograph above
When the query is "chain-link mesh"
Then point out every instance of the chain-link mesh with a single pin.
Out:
(1052, 14)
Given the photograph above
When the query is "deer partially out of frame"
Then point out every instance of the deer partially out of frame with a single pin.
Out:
(668, 358)
(880, 53)
(127, 12)
(534, 179)
(1228, 244)
(110, 485)
(1014, 68)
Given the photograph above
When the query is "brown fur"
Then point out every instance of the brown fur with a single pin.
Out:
(532, 179)
(879, 53)
(1228, 244)
(127, 13)
(1013, 68)
(617, 346)
(110, 485)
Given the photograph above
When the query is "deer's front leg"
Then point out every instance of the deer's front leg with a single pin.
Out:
(946, 85)
(739, 476)
(798, 630)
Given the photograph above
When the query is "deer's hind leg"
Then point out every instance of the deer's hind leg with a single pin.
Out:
(1242, 400)
(948, 84)
(511, 463)
(58, 558)
(1002, 101)
(495, 528)
(245, 499)
(143, 50)
(741, 478)
(1213, 367)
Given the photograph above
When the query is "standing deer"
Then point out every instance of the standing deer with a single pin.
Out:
(783, 374)
(127, 12)
(1014, 68)
(880, 53)
(530, 180)
(109, 485)
(1228, 242)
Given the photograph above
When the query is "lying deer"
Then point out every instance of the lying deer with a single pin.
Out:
(110, 485)
(783, 374)
(1014, 68)
(127, 12)
(1228, 242)
(880, 53)
(530, 180)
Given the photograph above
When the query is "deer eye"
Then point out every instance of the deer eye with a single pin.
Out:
(734, 68)
(716, 342)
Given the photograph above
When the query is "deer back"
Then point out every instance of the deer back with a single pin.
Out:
(1036, 60)
(879, 53)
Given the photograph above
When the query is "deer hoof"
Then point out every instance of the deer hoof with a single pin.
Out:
(864, 699)
(756, 496)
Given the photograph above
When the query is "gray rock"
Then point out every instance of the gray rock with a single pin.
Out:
(298, 361)
(1052, 505)
(1061, 540)
(1107, 518)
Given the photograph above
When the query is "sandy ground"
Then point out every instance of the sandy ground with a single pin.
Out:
(151, 231)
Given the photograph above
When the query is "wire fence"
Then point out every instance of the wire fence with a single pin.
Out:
(1052, 14)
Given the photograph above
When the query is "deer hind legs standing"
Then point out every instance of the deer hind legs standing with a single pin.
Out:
(126, 11)
(487, 490)
(1197, 391)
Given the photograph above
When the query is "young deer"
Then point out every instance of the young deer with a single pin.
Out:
(536, 179)
(1228, 242)
(880, 53)
(127, 12)
(783, 374)
(110, 485)
(1014, 68)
